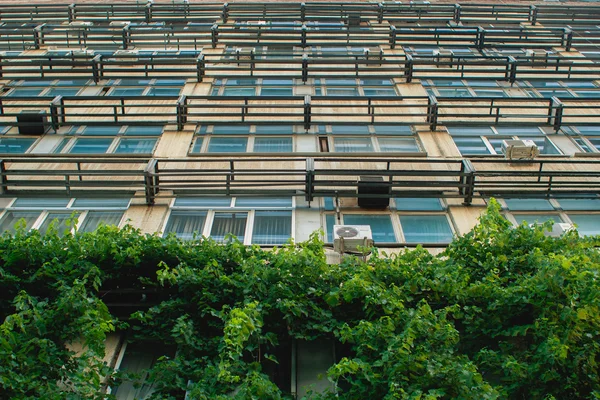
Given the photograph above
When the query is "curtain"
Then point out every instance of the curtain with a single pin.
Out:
(186, 223)
(225, 223)
(95, 218)
(12, 217)
(272, 227)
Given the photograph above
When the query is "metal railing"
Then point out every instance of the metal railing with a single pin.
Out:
(296, 176)
(305, 110)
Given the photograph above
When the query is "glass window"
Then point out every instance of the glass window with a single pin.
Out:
(471, 145)
(63, 222)
(203, 202)
(263, 202)
(381, 226)
(529, 204)
(273, 145)
(580, 204)
(341, 91)
(418, 204)
(25, 202)
(144, 131)
(160, 91)
(531, 219)
(90, 146)
(227, 145)
(127, 92)
(135, 146)
(11, 218)
(229, 223)
(379, 91)
(274, 129)
(349, 129)
(401, 145)
(14, 145)
(186, 223)
(352, 144)
(101, 130)
(101, 203)
(239, 91)
(230, 129)
(94, 219)
(61, 92)
(587, 225)
(454, 93)
(197, 145)
(272, 227)
(426, 228)
(21, 92)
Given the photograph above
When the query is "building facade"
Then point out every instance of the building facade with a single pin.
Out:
(272, 121)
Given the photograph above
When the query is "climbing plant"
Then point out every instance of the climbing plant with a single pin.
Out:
(503, 312)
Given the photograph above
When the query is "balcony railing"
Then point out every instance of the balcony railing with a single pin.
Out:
(296, 176)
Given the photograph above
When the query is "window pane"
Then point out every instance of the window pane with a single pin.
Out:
(95, 218)
(587, 225)
(41, 202)
(580, 204)
(135, 146)
(127, 92)
(15, 146)
(144, 131)
(273, 145)
(227, 145)
(12, 217)
(91, 146)
(101, 130)
(401, 145)
(426, 228)
(379, 91)
(158, 91)
(274, 129)
(255, 202)
(229, 223)
(471, 145)
(330, 221)
(348, 129)
(454, 93)
(235, 91)
(381, 226)
(18, 92)
(418, 204)
(529, 204)
(352, 145)
(101, 203)
(61, 92)
(197, 145)
(186, 223)
(341, 91)
(231, 129)
(203, 202)
(531, 219)
(276, 91)
(63, 222)
(272, 227)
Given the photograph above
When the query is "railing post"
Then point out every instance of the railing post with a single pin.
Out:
(304, 68)
(511, 69)
(408, 72)
(214, 35)
(533, 14)
(558, 112)
(380, 13)
(303, 39)
(225, 13)
(200, 67)
(1, 73)
(149, 186)
(457, 12)
(480, 38)
(307, 112)
(432, 112)
(181, 112)
(72, 12)
(309, 179)
(302, 12)
(97, 69)
(126, 37)
(55, 113)
(467, 181)
(148, 12)
(38, 36)
(392, 37)
(252, 64)
(3, 178)
(567, 39)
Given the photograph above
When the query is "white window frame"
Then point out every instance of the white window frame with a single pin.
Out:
(232, 208)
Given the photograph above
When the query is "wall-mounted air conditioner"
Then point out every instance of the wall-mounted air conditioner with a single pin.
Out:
(558, 228)
(373, 192)
(32, 122)
(119, 23)
(81, 23)
(121, 53)
(520, 149)
(349, 237)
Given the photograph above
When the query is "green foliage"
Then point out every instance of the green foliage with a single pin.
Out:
(503, 313)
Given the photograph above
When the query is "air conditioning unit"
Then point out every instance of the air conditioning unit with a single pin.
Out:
(32, 122)
(558, 228)
(119, 23)
(81, 23)
(349, 237)
(520, 149)
(83, 52)
(368, 186)
(133, 52)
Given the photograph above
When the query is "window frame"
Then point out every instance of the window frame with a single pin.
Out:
(73, 134)
(205, 133)
(250, 212)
